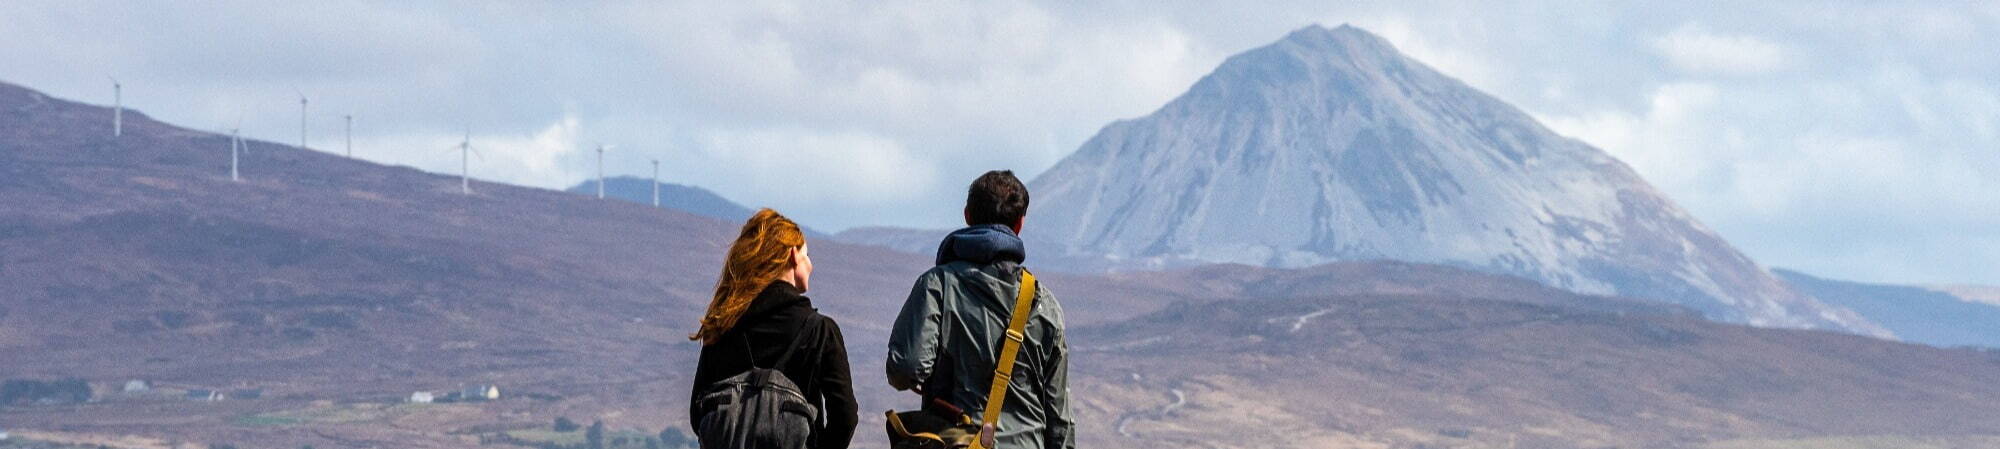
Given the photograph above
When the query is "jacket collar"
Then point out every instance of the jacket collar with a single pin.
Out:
(982, 244)
(777, 296)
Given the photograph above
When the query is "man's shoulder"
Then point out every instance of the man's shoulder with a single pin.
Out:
(1046, 305)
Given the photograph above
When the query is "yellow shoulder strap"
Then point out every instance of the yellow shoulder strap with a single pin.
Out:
(1003, 373)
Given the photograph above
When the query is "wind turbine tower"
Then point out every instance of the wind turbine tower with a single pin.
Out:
(465, 152)
(656, 183)
(302, 119)
(236, 145)
(600, 168)
(350, 136)
(117, 108)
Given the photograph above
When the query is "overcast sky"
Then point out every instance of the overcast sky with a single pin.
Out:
(1858, 141)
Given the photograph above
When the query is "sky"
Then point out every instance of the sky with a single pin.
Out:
(1856, 140)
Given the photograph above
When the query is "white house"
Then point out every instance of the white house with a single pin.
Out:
(480, 393)
(137, 386)
(422, 397)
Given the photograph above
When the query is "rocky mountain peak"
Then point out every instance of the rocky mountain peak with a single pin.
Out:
(1330, 145)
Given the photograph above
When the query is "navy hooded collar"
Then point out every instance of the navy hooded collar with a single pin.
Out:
(982, 244)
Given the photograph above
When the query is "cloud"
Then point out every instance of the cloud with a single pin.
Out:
(820, 177)
(1693, 48)
(1874, 178)
(531, 159)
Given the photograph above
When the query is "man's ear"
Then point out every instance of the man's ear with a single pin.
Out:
(1018, 221)
(968, 216)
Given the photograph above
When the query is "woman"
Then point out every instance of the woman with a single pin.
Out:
(759, 312)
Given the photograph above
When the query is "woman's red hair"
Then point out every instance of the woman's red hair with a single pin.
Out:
(762, 254)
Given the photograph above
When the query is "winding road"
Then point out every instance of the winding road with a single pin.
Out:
(1179, 399)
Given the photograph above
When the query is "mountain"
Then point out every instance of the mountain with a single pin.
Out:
(1330, 145)
(1915, 314)
(336, 287)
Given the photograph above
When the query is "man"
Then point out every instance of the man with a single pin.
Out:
(947, 338)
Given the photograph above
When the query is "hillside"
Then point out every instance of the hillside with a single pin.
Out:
(320, 277)
(1418, 370)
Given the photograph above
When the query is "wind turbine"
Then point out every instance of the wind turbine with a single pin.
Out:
(236, 146)
(350, 136)
(600, 168)
(465, 152)
(656, 183)
(302, 119)
(117, 108)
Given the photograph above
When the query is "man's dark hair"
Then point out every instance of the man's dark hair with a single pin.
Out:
(997, 197)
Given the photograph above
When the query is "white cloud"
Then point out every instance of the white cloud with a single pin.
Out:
(983, 86)
(531, 159)
(818, 177)
(1669, 143)
(1694, 49)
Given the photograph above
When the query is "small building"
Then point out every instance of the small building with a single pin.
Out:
(480, 393)
(137, 386)
(422, 397)
(205, 395)
(3, 435)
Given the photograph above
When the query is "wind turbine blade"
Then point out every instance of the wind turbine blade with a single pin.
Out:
(475, 153)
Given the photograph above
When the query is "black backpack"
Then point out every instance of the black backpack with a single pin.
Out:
(759, 409)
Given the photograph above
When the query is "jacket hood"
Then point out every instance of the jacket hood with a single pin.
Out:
(982, 244)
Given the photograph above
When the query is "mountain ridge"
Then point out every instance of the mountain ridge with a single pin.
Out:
(1330, 145)
(1916, 314)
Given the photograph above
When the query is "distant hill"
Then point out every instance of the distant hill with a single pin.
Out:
(685, 198)
(919, 241)
(1916, 314)
(690, 199)
(1331, 145)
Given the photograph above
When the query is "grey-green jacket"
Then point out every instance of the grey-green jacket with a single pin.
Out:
(952, 324)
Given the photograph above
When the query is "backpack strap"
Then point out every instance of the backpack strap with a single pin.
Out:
(811, 327)
(1003, 372)
(797, 337)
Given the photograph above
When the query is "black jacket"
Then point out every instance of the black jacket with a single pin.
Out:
(818, 366)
